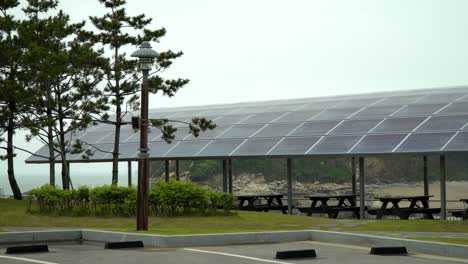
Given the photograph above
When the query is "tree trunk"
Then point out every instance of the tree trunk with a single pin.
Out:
(10, 156)
(115, 153)
(50, 140)
(62, 143)
(118, 114)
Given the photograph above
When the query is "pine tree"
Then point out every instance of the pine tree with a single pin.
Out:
(123, 81)
(12, 94)
(64, 72)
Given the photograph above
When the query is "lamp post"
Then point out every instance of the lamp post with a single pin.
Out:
(146, 55)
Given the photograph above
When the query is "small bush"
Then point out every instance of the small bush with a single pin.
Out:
(165, 198)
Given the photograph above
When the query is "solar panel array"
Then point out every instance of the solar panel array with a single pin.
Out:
(417, 121)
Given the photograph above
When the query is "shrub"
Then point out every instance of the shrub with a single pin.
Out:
(165, 198)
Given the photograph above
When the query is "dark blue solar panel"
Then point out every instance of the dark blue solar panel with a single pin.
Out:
(458, 143)
(256, 147)
(419, 142)
(314, 128)
(444, 123)
(382, 143)
(399, 125)
(334, 145)
(294, 146)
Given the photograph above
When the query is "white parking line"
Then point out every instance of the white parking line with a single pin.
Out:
(27, 260)
(236, 256)
(417, 255)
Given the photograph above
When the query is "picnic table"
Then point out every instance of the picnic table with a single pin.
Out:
(319, 205)
(462, 213)
(419, 204)
(262, 202)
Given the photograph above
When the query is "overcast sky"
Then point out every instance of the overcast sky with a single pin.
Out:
(249, 50)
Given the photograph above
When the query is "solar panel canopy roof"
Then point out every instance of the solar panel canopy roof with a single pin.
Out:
(417, 121)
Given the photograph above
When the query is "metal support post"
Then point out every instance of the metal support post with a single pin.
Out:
(166, 170)
(225, 183)
(230, 175)
(443, 193)
(290, 194)
(353, 176)
(426, 179)
(129, 172)
(177, 171)
(362, 195)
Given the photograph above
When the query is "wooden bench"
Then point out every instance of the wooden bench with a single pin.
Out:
(331, 211)
(266, 208)
(404, 213)
(460, 213)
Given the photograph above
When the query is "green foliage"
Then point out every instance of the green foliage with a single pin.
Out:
(166, 198)
(186, 198)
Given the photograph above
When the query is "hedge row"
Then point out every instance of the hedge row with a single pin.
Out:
(166, 198)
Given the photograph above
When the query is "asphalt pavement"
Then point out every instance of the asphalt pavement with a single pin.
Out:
(61, 253)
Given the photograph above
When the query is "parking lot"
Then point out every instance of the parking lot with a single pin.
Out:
(258, 253)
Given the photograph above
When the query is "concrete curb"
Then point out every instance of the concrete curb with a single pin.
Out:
(161, 241)
(40, 236)
(197, 240)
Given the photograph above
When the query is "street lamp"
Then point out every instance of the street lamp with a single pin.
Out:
(146, 55)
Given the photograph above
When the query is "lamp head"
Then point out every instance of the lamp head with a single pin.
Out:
(146, 55)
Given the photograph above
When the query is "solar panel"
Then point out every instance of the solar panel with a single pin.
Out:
(297, 116)
(229, 119)
(456, 108)
(439, 98)
(459, 143)
(425, 142)
(261, 118)
(397, 100)
(398, 125)
(129, 150)
(294, 146)
(256, 147)
(158, 149)
(285, 107)
(125, 136)
(320, 105)
(41, 153)
(187, 148)
(333, 114)
(241, 131)
(366, 123)
(334, 145)
(209, 134)
(94, 137)
(357, 103)
(419, 110)
(355, 127)
(314, 128)
(444, 123)
(376, 112)
(101, 151)
(219, 148)
(277, 130)
(379, 143)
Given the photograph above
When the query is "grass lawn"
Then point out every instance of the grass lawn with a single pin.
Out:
(13, 215)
